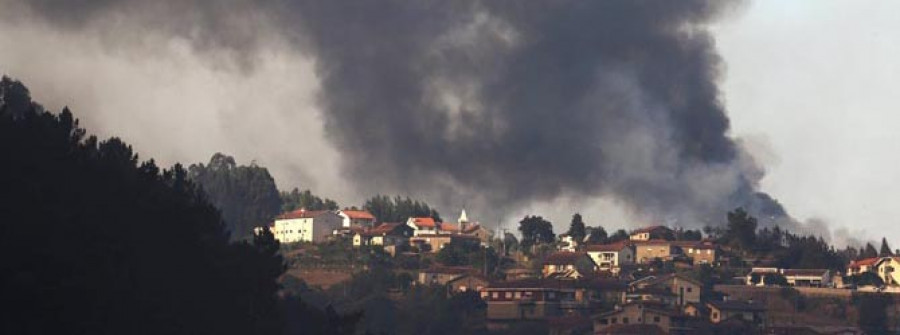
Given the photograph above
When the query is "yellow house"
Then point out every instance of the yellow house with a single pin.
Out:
(887, 270)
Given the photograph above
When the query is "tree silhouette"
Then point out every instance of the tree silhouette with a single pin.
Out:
(577, 229)
(95, 241)
(246, 195)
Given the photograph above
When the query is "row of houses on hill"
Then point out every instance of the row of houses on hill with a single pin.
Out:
(423, 232)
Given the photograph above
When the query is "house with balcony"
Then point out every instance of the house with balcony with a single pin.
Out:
(610, 257)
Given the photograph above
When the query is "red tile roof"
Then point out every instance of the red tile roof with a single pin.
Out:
(424, 222)
(358, 214)
(864, 262)
(300, 214)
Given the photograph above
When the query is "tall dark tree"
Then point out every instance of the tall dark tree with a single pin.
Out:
(398, 209)
(869, 251)
(94, 241)
(597, 235)
(741, 229)
(535, 230)
(296, 199)
(619, 235)
(576, 228)
(246, 195)
(885, 249)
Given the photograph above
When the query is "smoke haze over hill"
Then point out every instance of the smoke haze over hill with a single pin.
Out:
(492, 105)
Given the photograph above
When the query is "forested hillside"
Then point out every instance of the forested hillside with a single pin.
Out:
(93, 240)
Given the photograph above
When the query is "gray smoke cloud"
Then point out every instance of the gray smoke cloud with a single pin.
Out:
(492, 105)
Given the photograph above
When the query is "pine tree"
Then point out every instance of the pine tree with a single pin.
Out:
(576, 228)
(885, 249)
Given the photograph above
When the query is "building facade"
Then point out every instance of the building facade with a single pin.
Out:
(305, 226)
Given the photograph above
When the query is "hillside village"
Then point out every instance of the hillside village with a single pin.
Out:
(650, 280)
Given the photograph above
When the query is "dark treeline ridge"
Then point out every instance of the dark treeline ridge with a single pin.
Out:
(95, 241)
(246, 195)
(398, 209)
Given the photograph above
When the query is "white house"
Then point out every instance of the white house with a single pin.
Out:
(609, 257)
(423, 225)
(794, 277)
(305, 226)
(356, 218)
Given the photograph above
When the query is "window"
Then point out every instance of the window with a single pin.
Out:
(625, 320)
(495, 295)
(613, 320)
(518, 295)
(656, 319)
(604, 321)
(715, 315)
(507, 295)
(690, 289)
(552, 295)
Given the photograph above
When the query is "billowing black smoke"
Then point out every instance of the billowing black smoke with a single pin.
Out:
(504, 103)
(516, 101)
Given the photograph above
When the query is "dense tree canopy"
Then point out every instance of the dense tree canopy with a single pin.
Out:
(246, 195)
(596, 235)
(535, 230)
(296, 199)
(398, 209)
(94, 241)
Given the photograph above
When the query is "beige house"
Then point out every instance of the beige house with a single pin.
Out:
(887, 270)
(609, 257)
(305, 226)
(699, 252)
(641, 313)
(683, 289)
(647, 251)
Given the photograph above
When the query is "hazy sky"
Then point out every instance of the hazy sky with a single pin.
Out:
(808, 86)
(815, 83)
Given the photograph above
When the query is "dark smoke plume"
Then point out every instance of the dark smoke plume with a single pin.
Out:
(497, 104)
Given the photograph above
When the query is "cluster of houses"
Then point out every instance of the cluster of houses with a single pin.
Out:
(607, 289)
(612, 288)
(423, 233)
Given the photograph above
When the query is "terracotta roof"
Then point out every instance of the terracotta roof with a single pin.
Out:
(564, 257)
(736, 305)
(607, 247)
(358, 214)
(383, 229)
(424, 222)
(864, 262)
(300, 214)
